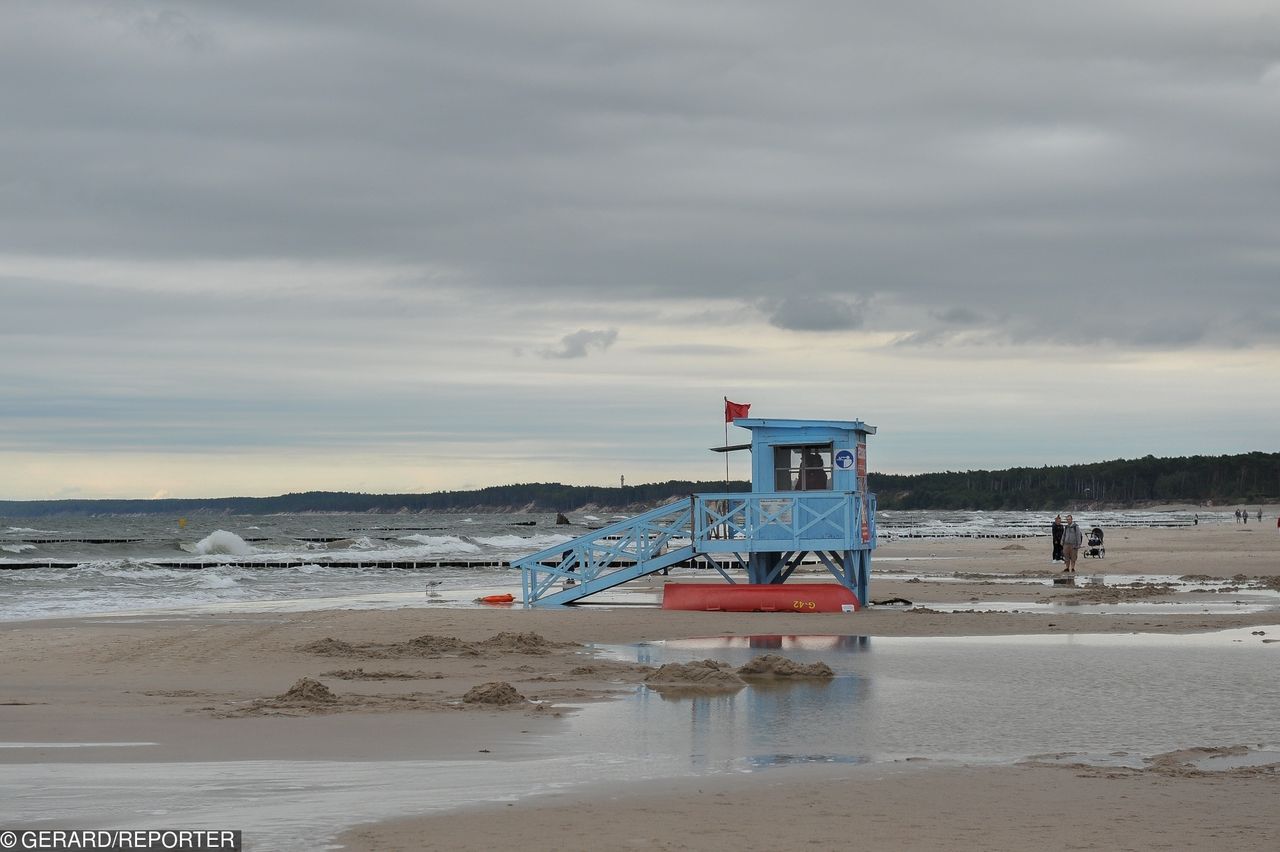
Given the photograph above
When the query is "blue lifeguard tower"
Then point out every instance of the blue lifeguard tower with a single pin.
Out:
(808, 497)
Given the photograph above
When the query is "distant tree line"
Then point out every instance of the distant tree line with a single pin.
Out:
(1224, 480)
(529, 497)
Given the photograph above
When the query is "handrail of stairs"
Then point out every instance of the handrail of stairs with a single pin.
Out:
(623, 548)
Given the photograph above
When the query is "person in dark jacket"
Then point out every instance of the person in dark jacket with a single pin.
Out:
(1072, 538)
(813, 476)
(1057, 539)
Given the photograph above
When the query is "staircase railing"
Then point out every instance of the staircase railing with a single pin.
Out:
(730, 523)
(624, 550)
(782, 520)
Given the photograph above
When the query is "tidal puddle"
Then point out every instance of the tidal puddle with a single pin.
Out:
(1086, 578)
(1190, 607)
(976, 699)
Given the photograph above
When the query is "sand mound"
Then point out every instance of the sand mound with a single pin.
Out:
(307, 691)
(361, 674)
(703, 674)
(776, 665)
(522, 643)
(519, 643)
(1187, 762)
(499, 693)
(330, 647)
(429, 645)
(1013, 547)
(310, 697)
(1116, 594)
(426, 645)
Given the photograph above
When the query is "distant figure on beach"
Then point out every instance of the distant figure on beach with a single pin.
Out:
(1259, 516)
(1071, 541)
(1237, 516)
(1196, 522)
(1057, 539)
(1245, 515)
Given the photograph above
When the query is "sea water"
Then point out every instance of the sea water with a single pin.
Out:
(146, 564)
(118, 564)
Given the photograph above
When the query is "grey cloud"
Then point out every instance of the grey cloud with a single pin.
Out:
(957, 316)
(578, 343)
(171, 27)
(1001, 156)
(816, 313)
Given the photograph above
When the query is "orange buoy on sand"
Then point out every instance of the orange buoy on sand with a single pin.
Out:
(497, 599)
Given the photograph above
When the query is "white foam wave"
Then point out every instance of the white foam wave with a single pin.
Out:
(437, 544)
(30, 530)
(210, 580)
(17, 548)
(515, 542)
(221, 542)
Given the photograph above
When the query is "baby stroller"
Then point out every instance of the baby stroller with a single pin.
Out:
(1095, 548)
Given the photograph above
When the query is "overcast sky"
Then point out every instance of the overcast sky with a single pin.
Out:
(395, 245)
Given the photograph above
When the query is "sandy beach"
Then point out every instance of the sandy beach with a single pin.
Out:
(418, 684)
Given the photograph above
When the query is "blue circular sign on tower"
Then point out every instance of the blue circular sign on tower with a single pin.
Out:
(845, 460)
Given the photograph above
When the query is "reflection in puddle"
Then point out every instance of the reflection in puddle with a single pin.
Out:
(975, 698)
(764, 643)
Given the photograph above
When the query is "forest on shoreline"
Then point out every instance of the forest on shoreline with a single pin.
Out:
(1244, 479)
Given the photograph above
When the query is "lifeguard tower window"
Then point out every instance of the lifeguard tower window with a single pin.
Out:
(802, 468)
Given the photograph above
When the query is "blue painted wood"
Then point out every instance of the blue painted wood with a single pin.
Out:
(606, 557)
(779, 521)
(768, 530)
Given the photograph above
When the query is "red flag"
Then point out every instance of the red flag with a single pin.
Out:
(734, 410)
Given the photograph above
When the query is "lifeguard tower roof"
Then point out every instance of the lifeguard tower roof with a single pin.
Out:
(778, 423)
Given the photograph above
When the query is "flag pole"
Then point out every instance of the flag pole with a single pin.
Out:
(726, 443)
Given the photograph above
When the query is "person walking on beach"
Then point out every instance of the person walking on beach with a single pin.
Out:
(1057, 539)
(1071, 541)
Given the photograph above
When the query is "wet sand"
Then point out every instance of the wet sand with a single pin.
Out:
(393, 683)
